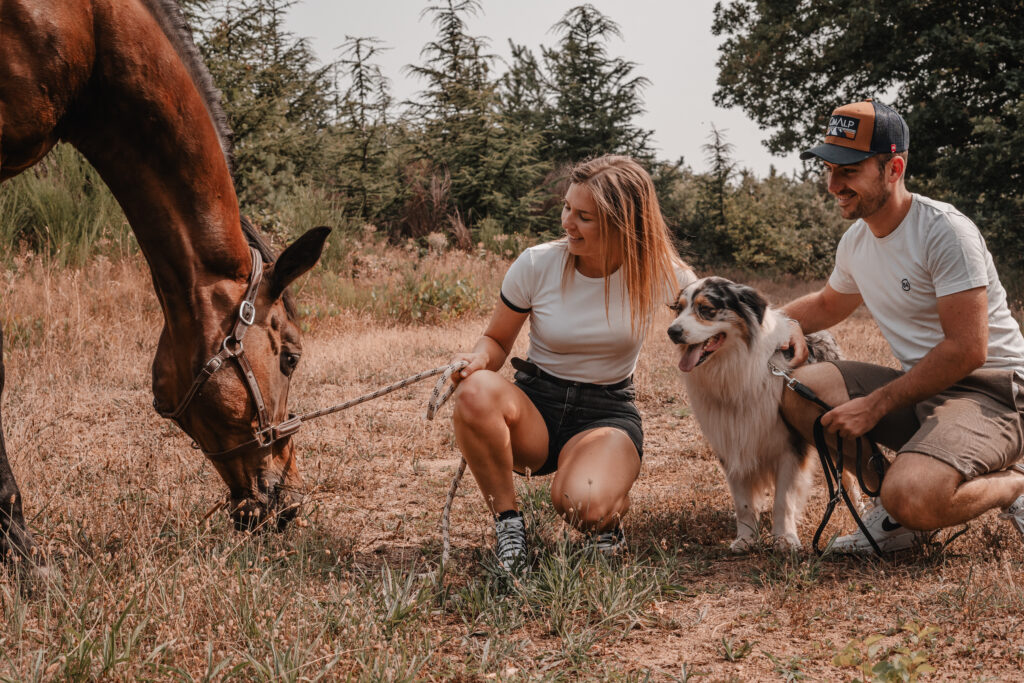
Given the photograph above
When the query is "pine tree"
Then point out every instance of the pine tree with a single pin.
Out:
(595, 97)
(361, 130)
(488, 163)
(713, 226)
(277, 97)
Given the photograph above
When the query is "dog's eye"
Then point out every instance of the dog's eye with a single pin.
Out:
(706, 312)
(676, 308)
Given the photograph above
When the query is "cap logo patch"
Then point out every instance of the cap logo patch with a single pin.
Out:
(842, 127)
(892, 148)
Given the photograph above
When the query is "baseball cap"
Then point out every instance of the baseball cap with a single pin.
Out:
(861, 130)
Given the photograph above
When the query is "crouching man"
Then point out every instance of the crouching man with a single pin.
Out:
(953, 413)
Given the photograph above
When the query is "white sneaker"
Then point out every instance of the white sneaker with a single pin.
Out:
(889, 534)
(1015, 513)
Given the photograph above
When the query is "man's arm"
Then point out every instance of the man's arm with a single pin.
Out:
(817, 311)
(964, 319)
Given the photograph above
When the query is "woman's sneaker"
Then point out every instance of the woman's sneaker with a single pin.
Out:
(608, 543)
(1015, 513)
(511, 545)
(889, 534)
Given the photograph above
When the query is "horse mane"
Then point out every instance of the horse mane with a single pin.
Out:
(172, 21)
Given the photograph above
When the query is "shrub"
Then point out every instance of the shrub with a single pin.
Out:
(60, 208)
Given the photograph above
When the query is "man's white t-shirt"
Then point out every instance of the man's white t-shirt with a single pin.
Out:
(934, 252)
(570, 335)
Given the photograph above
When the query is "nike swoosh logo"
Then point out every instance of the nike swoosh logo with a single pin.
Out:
(888, 524)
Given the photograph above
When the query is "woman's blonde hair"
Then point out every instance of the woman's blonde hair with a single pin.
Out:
(628, 215)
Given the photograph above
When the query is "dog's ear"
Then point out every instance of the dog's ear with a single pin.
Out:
(752, 299)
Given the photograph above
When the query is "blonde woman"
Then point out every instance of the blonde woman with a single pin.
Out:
(590, 298)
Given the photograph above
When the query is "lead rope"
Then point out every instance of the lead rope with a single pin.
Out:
(441, 393)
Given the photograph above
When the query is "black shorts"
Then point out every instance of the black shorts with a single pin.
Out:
(569, 408)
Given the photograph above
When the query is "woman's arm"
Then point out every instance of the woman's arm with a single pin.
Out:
(494, 346)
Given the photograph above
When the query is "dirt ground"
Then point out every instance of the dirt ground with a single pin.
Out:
(108, 486)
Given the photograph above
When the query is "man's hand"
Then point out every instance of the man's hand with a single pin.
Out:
(854, 418)
(796, 342)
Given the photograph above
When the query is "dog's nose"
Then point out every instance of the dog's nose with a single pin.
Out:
(675, 333)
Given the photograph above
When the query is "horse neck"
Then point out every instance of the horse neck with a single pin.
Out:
(145, 127)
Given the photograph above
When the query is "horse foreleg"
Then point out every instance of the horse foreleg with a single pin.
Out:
(15, 540)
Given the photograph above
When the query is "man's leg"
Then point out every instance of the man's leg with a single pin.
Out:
(924, 493)
(825, 380)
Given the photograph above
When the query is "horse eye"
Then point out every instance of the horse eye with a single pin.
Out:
(289, 361)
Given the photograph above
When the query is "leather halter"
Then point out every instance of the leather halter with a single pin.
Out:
(231, 348)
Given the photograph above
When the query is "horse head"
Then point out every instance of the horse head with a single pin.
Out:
(232, 397)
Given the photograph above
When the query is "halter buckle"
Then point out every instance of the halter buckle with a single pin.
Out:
(247, 312)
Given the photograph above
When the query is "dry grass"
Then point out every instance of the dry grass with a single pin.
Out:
(144, 589)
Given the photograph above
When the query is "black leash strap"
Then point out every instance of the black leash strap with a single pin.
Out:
(834, 472)
(834, 481)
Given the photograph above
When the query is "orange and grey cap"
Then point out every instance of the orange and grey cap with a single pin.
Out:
(861, 130)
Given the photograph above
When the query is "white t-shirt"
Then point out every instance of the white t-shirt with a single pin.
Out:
(570, 335)
(934, 252)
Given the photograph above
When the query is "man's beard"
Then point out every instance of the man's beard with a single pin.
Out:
(869, 204)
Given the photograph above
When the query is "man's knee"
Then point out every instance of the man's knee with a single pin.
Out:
(825, 380)
(914, 489)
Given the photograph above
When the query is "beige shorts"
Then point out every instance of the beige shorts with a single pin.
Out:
(976, 426)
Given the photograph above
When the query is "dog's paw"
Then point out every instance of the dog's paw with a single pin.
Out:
(786, 543)
(742, 545)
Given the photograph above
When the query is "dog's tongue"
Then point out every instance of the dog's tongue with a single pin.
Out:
(690, 357)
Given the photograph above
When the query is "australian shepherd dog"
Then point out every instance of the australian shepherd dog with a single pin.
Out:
(726, 334)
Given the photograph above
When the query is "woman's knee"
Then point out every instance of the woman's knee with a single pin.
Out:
(588, 509)
(477, 396)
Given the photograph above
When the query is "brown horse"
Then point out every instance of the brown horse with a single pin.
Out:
(122, 81)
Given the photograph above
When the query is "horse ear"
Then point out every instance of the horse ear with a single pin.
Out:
(300, 256)
(754, 301)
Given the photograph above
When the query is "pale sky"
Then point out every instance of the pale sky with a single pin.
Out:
(670, 42)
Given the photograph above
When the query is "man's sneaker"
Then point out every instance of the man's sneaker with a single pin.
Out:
(1015, 513)
(889, 534)
(608, 543)
(511, 545)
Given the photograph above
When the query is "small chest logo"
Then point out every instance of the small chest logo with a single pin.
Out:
(842, 127)
(905, 284)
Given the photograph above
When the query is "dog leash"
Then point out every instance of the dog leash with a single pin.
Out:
(834, 472)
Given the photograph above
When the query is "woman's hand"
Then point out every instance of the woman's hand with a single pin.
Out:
(477, 360)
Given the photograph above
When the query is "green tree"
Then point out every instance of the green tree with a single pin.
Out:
(953, 68)
(712, 233)
(595, 98)
(362, 173)
(487, 165)
(278, 98)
